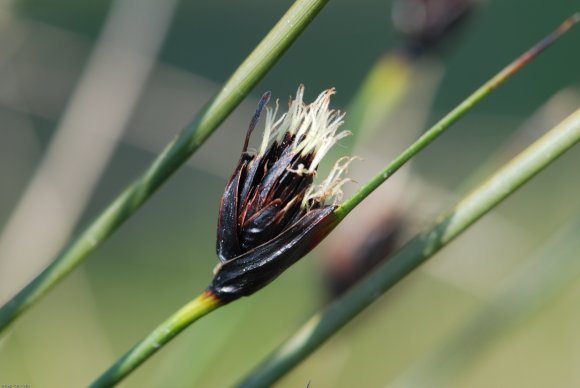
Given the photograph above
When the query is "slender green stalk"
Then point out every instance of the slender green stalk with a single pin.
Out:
(165, 332)
(449, 119)
(506, 181)
(173, 156)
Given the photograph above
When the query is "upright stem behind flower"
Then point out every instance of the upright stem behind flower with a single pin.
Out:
(464, 107)
(173, 156)
(385, 86)
(484, 198)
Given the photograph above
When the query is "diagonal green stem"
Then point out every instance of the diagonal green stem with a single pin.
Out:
(483, 199)
(165, 332)
(264, 56)
(459, 111)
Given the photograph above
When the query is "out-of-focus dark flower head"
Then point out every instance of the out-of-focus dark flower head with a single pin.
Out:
(425, 23)
(346, 263)
(271, 212)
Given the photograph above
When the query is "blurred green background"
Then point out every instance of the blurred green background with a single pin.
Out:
(164, 255)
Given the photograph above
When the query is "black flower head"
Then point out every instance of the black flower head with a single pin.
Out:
(271, 213)
(427, 23)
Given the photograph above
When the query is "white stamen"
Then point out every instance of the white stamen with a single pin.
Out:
(313, 126)
(331, 186)
(301, 170)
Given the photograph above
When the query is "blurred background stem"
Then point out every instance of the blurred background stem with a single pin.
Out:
(380, 93)
(552, 267)
(484, 198)
(282, 35)
(91, 128)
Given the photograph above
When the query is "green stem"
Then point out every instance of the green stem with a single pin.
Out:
(173, 156)
(493, 191)
(165, 332)
(459, 111)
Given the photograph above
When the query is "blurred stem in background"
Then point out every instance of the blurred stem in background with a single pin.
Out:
(471, 208)
(403, 79)
(95, 119)
(380, 93)
(539, 279)
(388, 81)
(90, 129)
(282, 35)
(422, 247)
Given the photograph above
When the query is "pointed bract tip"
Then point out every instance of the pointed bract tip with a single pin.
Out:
(263, 101)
